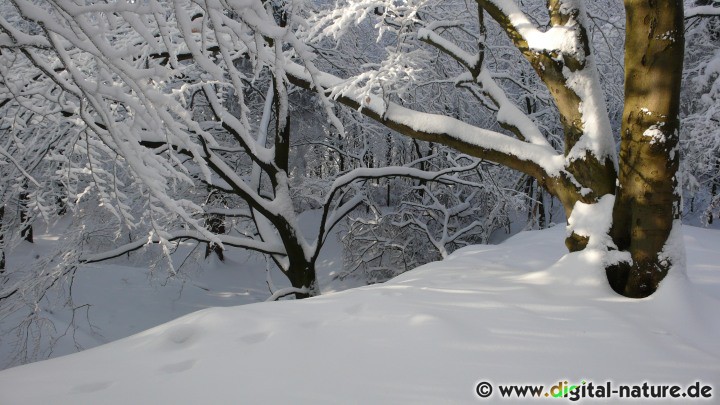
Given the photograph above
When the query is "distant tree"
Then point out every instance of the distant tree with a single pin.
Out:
(701, 111)
(430, 220)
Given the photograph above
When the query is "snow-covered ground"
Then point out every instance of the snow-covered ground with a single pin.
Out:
(128, 295)
(507, 314)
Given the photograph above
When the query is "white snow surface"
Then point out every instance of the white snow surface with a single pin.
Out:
(521, 312)
(593, 221)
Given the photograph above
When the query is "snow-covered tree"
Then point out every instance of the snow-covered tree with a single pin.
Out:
(701, 111)
(625, 206)
(128, 72)
(180, 98)
(179, 119)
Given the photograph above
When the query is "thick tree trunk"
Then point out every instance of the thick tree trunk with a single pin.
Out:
(302, 275)
(648, 201)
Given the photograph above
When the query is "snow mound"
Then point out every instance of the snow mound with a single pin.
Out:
(521, 312)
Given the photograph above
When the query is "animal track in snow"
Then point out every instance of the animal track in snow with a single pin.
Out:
(178, 367)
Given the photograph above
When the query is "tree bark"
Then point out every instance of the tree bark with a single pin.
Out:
(302, 275)
(648, 200)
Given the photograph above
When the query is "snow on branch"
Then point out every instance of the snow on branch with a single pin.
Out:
(560, 37)
(470, 61)
(245, 243)
(12, 160)
(532, 159)
(703, 11)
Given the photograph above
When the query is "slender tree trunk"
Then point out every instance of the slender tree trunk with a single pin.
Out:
(216, 224)
(540, 207)
(301, 271)
(341, 160)
(648, 199)
(423, 165)
(2, 240)
(714, 191)
(712, 196)
(27, 230)
(388, 162)
(59, 202)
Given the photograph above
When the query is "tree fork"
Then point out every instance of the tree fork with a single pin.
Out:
(590, 172)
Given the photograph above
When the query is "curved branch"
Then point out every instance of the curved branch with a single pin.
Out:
(534, 160)
(245, 243)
